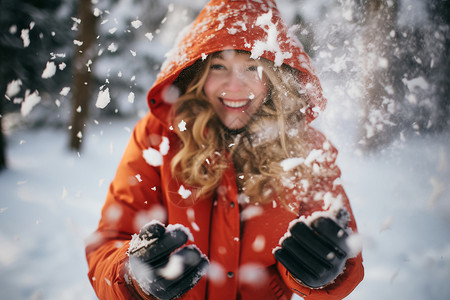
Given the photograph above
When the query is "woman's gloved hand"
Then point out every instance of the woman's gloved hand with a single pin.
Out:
(160, 265)
(315, 255)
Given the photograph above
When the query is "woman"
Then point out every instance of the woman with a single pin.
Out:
(233, 194)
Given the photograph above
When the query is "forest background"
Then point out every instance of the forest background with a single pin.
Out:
(385, 70)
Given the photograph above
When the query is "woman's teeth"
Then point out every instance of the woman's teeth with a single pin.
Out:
(235, 103)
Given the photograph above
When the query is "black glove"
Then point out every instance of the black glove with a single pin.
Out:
(158, 271)
(315, 255)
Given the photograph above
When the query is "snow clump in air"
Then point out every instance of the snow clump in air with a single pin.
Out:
(183, 192)
(174, 267)
(254, 274)
(131, 97)
(191, 217)
(152, 156)
(149, 36)
(65, 91)
(182, 125)
(30, 101)
(49, 71)
(216, 273)
(103, 98)
(164, 146)
(25, 37)
(13, 88)
(259, 243)
(354, 243)
(113, 47)
(251, 212)
(136, 24)
(170, 94)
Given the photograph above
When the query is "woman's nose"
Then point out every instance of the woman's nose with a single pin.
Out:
(235, 80)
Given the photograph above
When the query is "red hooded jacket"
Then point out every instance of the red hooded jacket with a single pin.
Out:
(238, 241)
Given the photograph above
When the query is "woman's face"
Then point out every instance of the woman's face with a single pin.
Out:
(236, 87)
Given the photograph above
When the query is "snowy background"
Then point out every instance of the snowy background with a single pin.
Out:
(50, 198)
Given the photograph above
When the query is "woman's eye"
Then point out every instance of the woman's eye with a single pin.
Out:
(253, 68)
(217, 67)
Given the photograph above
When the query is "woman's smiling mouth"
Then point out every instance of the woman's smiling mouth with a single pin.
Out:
(236, 103)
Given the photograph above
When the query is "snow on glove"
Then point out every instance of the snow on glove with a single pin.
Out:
(159, 263)
(315, 255)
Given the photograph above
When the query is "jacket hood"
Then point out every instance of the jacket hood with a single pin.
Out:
(250, 25)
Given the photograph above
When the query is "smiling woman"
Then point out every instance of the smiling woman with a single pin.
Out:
(234, 87)
(237, 196)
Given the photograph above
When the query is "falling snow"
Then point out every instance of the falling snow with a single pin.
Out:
(136, 24)
(50, 70)
(65, 91)
(13, 88)
(182, 125)
(103, 98)
(183, 192)
(149, 36)
(25, 37)
(153, 157)
(173, 269)
(131, 97)
(164, 146)
(30, 101)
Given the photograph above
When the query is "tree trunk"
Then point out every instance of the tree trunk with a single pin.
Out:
(378, 122)
(82, 76)
(2, 140)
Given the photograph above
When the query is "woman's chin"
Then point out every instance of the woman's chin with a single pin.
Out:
(234, 131)
(236, 126)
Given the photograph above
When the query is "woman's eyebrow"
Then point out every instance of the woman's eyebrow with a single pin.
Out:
(218, 55)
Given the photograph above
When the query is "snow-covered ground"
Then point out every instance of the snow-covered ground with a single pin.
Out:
(401, 201)
(51, 200)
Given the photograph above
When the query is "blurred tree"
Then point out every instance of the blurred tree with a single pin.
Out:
(82, 84)
(31, 34)
(378, 22)
(132, 38)
(2, 140)
(405, 69)
(439, 11)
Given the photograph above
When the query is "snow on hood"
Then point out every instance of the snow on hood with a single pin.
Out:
(250, 25)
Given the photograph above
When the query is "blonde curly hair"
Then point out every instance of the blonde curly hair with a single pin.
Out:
(274, 133)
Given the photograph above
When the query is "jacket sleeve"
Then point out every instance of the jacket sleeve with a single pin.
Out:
(324, 188)
(339, 289)
(133, 199)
